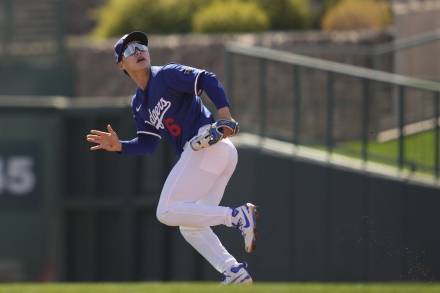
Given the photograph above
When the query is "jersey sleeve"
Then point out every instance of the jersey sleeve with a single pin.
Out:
(140, 145)
(142, 125)
(209, 83)
(183, 78)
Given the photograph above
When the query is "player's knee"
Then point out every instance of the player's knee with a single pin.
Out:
(164, 217)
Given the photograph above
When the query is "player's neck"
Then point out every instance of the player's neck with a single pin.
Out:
(141, 78)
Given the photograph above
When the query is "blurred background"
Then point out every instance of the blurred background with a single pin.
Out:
(338, 102)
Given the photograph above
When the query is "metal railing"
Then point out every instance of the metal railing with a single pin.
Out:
(408, 56)
(400, 89)
(374, 50)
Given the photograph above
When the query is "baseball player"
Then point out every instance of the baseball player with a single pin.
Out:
(167, 105)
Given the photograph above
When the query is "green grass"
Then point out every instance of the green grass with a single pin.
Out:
(210, 287)
(419, 151)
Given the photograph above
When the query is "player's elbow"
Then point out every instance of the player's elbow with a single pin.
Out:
(161, 216)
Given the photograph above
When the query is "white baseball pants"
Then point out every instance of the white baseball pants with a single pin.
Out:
(191, 195)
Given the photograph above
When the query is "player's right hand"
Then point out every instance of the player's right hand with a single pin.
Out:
(108, 141)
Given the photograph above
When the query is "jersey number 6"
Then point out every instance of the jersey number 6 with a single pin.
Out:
(172, 127)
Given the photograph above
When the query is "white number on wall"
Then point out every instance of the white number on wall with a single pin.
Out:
(17, 175)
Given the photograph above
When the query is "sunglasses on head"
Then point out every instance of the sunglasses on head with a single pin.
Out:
(131, 49)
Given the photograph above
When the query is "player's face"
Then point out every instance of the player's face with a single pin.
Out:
(135, 57)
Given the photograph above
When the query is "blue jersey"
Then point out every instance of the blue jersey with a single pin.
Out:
(170, 107)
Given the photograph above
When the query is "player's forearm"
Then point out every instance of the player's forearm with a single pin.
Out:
(224, 113)
(214, 89)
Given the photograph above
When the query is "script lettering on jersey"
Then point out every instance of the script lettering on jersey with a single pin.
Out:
(156, 116)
